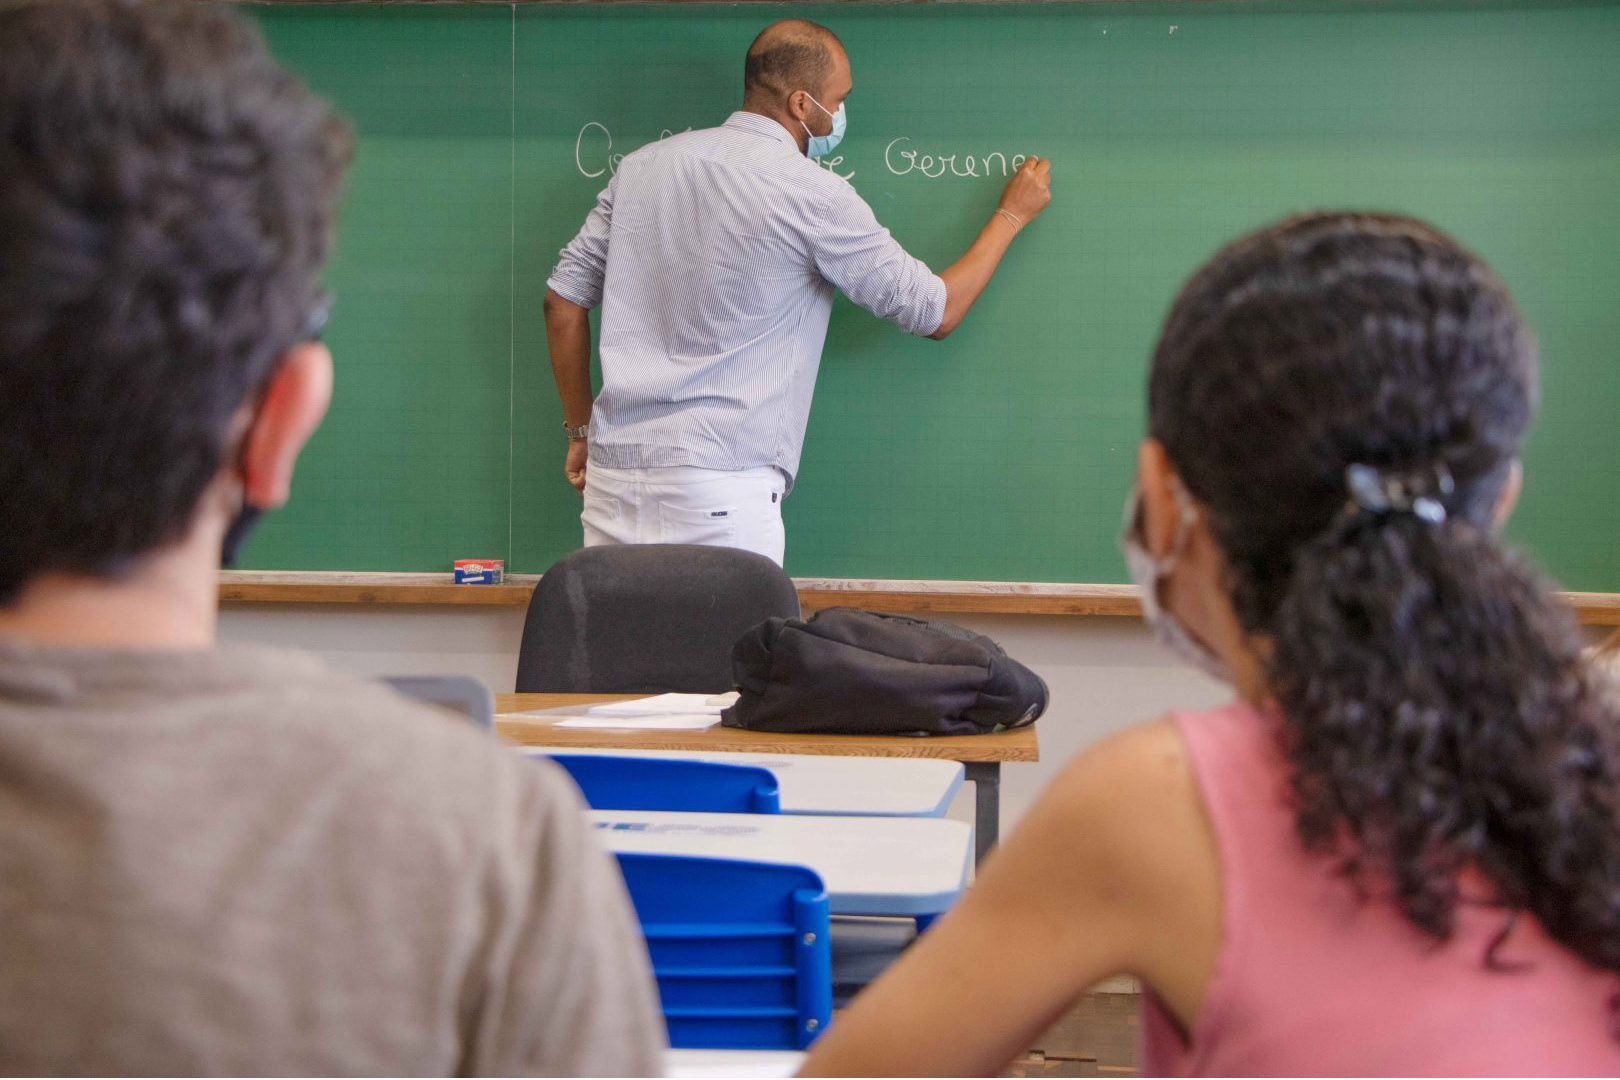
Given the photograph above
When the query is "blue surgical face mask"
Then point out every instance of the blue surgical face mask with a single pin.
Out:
(821, 145)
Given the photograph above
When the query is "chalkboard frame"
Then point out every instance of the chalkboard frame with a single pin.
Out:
(906, 597)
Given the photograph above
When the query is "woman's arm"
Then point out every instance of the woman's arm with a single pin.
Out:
(1113, 871)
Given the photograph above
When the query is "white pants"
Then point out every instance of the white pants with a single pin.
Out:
(685, 505)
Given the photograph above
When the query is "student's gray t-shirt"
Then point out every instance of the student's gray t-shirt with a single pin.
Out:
(238, 862)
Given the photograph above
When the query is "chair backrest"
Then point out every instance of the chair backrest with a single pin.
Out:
(703, 787)
(740, 950)
(646, 618)
(458, 693)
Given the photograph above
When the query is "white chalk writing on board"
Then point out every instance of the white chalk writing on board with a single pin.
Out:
(600, 150)
(904, 160)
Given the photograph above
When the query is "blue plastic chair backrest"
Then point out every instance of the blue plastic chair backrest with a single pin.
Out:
(694, 787)
(740, 950)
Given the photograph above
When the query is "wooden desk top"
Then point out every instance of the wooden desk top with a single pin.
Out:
(1019, 745)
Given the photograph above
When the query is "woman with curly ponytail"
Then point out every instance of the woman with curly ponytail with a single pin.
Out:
(1398, 850)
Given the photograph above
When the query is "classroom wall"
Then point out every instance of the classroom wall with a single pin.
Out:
(1104, 673)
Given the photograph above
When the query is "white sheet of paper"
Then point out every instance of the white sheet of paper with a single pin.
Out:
(665, 712)
(666, 721)
(665, 705)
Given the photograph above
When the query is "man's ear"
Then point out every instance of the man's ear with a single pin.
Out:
(798, 105)
(1161, 512)
(1509, 498)
(294, 401)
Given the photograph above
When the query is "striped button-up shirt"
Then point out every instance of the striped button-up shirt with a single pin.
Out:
(715, 255)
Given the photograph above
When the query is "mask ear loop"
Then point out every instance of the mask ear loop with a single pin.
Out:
(1150, 578)
(1186, 517)
(230, 548)
(247, 515)
(819, 105)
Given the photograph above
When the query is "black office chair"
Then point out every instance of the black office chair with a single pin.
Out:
(646, 618)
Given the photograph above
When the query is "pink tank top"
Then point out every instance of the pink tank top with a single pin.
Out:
(1309, 982)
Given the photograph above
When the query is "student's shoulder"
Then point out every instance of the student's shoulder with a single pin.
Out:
(1150, 755)
(1133, 798)
(1116, 853)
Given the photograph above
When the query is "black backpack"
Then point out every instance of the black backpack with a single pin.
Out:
(854, 672)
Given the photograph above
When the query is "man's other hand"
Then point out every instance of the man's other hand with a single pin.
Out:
(574, 463)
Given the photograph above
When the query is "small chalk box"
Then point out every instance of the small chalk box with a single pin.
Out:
(480, 571)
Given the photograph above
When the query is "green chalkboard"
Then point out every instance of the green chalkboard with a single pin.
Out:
(1005, 452)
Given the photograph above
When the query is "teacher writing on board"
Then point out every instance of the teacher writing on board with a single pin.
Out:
(715, 255)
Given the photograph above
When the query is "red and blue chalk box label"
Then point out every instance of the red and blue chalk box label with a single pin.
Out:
(480, 571)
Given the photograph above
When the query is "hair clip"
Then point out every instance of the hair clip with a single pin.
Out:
(1418, 492)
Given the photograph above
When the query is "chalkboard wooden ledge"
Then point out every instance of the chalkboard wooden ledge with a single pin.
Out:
(926, 597)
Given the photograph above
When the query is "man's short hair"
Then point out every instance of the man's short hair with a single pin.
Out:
(795, 54)
(166, 195)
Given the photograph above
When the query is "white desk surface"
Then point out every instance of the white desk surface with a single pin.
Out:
(819, 784)
(870, 865)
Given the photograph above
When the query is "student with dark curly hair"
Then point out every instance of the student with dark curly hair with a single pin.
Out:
(1398, 850)
(230, 861)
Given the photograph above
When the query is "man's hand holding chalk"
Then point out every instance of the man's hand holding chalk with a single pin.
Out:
(1027, 193)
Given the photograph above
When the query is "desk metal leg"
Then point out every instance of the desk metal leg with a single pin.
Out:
(986, 777)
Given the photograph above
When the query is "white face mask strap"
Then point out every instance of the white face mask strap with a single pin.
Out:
(1149, 574)
(816, 103)
(808, 133)
(1186, 517)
